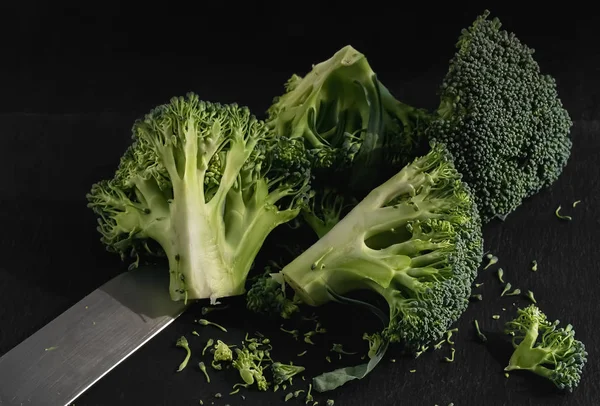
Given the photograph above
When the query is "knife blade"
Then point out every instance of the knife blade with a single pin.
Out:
(67, 356)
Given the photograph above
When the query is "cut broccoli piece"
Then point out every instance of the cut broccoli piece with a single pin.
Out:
(415, 240)
(208, 183)
(546, 349)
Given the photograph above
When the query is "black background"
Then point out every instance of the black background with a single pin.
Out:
(73, 79)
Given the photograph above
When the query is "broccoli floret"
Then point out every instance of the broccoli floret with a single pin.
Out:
(344, 115)
(416, 240)
(501, 118)
(208, 183)
(546, 349)
(248, 363)
(222, 352)
(266, 296)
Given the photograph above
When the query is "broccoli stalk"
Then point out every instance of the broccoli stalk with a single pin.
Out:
(415, 240)
(208, 183)
(546, 349)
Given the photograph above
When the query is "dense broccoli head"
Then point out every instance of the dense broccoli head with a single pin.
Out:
(501, 118)
(546, 349)
(415, 240)
(346, 117)
(207, 182)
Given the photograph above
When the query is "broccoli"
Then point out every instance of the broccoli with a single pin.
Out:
(283, 373)
(416, 240)
(501, 118)
(546, 349)
(249, 366)
(222, 353)
(267, 296)
(207, 182)
(344, 115)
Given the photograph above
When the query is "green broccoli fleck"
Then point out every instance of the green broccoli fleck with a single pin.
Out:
(205, 322)
(560, 216)
(530, 296)
(501, 274)
(534, 265)
(451, 358)
(209, 344)
(492, 261)
(480, 335)
(507, 287)
(202, 367)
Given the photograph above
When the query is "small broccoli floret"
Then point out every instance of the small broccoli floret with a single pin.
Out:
(345, 117)
(546, 349)
(501, 118)
(222, 352)
(267, 296)
(203, 184)
(415, 240)
(248, 363)
(283, 373)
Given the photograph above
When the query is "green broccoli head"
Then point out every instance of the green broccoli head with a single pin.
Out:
(206, 183)
(501, 118)
(415, 240)
(546, 349)
(344, 115)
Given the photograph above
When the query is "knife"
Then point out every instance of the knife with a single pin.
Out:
(67, 356)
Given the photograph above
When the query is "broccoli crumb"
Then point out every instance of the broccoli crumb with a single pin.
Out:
(495, 317)
(302, 353)
(218, 395)
(477, 285)
(202, 367)
(480, 335)
(492, 260)
(412, 371)
(514, 292)
(209, 344)
(451, 358)
(562, 217)
(205, 322)
(477, 297)
(506, 374)
(507, 287)
(195, 333)
(330, 402)
(534, 265)
(530, 296)
(576, 202)
(501, 274)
